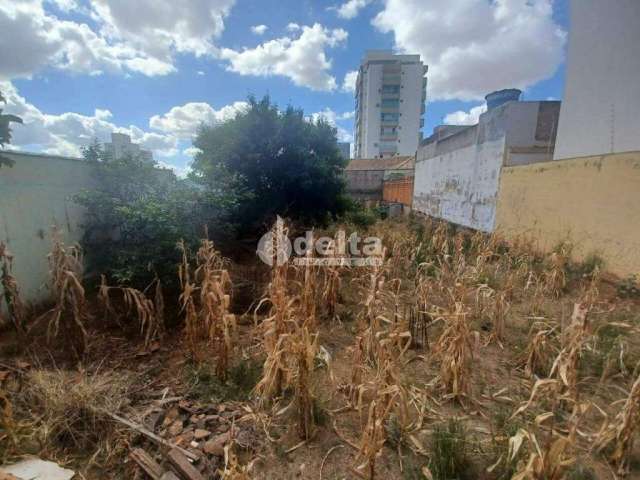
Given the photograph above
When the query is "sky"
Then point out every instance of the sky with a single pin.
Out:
(76, 70)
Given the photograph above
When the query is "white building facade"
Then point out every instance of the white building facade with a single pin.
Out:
(390, 103)
(121, 146)
(599, 113)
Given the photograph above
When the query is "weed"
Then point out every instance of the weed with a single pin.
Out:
(590, 264)
(449, 448)
(629, 287)
(206, 386)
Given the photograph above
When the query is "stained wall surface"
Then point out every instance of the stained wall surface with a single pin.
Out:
(594, 202)
(35, 194)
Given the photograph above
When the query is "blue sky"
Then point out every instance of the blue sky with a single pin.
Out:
(156, 68)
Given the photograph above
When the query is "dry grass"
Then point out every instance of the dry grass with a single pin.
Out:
(69, 410)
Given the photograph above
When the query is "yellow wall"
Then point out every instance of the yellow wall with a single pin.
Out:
(592, 201)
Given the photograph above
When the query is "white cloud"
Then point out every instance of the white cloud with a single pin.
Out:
(140, 36)
(158, 27)
(349, 83)
(191, 151)
(473, 47)
(350, 8)
(302, 59)
(461, 117)
(66, 133)
(200, 72)
(259, 29)
(293, 27)
(183, 121)
(332, 118)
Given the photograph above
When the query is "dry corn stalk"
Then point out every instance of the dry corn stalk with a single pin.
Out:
(537, 358)
(373, 438)
(148, 312)
(566, 363)
(215, 300)
(549, 463)
(330, 292)
(501, 307)
(621, 432)
(15, 307)
(454, 349)
(65, 271)
(278, 324)
(555, 277)
(193, 329)
(303, 349)
(206, 300)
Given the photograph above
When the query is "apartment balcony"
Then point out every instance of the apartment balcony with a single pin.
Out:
(391, 78)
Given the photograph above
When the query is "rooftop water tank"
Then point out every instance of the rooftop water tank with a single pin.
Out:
(499, 97)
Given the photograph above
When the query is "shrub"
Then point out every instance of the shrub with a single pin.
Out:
(137, 213)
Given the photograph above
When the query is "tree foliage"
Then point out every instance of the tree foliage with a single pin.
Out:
(136, 214)
(5, 131)
(289, 165)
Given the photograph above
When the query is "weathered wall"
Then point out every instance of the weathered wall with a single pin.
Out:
(365, 184)
(592, 201)
(602, 90)
(399, 190)
(460, 185)
(35, 195)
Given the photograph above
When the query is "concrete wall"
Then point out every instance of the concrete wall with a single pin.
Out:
(602, 89)
(457, 175)
(35, 195)
(592, 201)
(461, 185)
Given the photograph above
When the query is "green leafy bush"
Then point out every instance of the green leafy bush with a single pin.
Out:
(136, 214)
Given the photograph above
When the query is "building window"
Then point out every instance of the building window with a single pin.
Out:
(390, 103)
(389, 117)
(390, 88)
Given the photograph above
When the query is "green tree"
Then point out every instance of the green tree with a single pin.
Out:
(290, 166)
(136, 214)
(5, 131)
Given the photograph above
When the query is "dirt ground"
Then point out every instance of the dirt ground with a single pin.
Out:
(165, 389)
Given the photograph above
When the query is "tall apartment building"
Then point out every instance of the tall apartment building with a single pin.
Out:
(390, 103)
(122, 145)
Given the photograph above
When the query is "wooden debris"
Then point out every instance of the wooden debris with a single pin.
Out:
(183, 466)
(147, 463)
(150, 435)
(169, 475)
